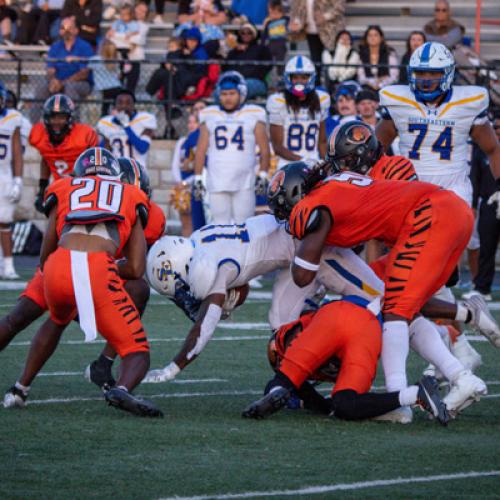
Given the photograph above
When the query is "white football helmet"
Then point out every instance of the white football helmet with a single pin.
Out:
(431, 57)
(300, 65)
(168, 263)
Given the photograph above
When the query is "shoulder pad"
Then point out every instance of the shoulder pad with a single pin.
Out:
(202, 273)
(142, 213)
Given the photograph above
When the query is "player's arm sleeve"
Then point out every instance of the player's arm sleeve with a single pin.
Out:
(482, 116)
(141, 143)
(274, 108)
(325, 103)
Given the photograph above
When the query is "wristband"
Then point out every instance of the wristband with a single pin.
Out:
(305, 264)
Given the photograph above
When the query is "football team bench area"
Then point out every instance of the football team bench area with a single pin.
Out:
(67, 443)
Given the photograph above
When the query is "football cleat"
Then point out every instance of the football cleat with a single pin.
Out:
(466, 389)
(100, 374)
(466, 354)
(269, 404)
(486, 296)
(482, 319)
(403, 415)
(428, 399)
(122, 399)
(15, 398)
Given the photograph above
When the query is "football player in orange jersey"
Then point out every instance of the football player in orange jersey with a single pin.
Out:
(133, 172)
(413, 218)
(93, 218)
(339, 343)
(31, 303)
(59, 140)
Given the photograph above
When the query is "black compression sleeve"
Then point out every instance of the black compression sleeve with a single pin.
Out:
(350, 405)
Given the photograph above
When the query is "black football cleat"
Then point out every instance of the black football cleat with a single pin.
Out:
(269, 404)
(120, 398)
(100, 374)
(428, 399)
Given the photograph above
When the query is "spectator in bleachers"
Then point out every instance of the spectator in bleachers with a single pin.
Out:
(367, 102)
(320, 20)
(206, 16)
(255, 11)
(178, 78)
(375, 56)
(275, 31)
(415, 40)
(8, 18)
(342, 53)
(88, 15)
(35, 24)
(67, 68)
(122, 33)
(248, 49)
(443, 28)
(159, 10)
(106, 73)
(201, 12)
(345, 105)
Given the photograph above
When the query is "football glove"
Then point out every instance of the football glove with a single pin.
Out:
(40, 196)
(185, 300)
(16, 188)
(261, 183)
(198, 188)
(495, 198)
(162, 375)
(122, 119)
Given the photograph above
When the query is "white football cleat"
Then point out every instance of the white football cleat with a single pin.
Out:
(403, 415)
(486, 296)
(465, 389)
(482, 319)
(466, 354)
(162, 375)
(14, 398)
(10, 274)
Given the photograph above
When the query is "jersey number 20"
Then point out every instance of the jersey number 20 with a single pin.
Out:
(109, 195)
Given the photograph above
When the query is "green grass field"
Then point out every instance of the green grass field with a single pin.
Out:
(68, 444)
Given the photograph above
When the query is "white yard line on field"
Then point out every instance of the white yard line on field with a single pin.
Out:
(318, 490)
(154, 396)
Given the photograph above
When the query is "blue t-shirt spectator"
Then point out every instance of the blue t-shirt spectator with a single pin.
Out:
(65, 69)
(255, 11)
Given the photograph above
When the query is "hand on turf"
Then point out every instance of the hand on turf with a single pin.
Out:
(495, 198)
(163, 375)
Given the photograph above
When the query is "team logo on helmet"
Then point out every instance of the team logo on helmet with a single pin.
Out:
(276, 182)
(358, 135)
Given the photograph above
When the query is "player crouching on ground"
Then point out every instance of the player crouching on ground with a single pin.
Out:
(92, 218)
(340, 342)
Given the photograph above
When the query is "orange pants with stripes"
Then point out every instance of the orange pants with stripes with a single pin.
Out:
(341, 329)
(116, 316)
(431, 240)
(34, 290)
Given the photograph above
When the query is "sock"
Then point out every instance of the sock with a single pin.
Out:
(463, 313)
(8, 264)
(123, 388)
(427, 342)
(408, 395)
(23, 388)
(395, 347)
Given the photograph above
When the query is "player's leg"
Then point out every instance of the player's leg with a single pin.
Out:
(243, 205)
(6, 219)
(100, 370)
(220, 207)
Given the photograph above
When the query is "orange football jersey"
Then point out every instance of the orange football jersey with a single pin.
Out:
(61, 157)
(393, 168)
(156, 224)
(89, 200)
(361, 209)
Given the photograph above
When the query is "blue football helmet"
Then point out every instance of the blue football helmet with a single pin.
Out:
(300, 65)
(431, 57)
(232, 80)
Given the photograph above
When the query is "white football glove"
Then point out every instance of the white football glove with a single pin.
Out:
(261, 183)
(16, 188)
(163, 375)
(123, 118)
(198, 188)
(495, 198)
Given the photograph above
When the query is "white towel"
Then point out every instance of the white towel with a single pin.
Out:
(83, 294)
